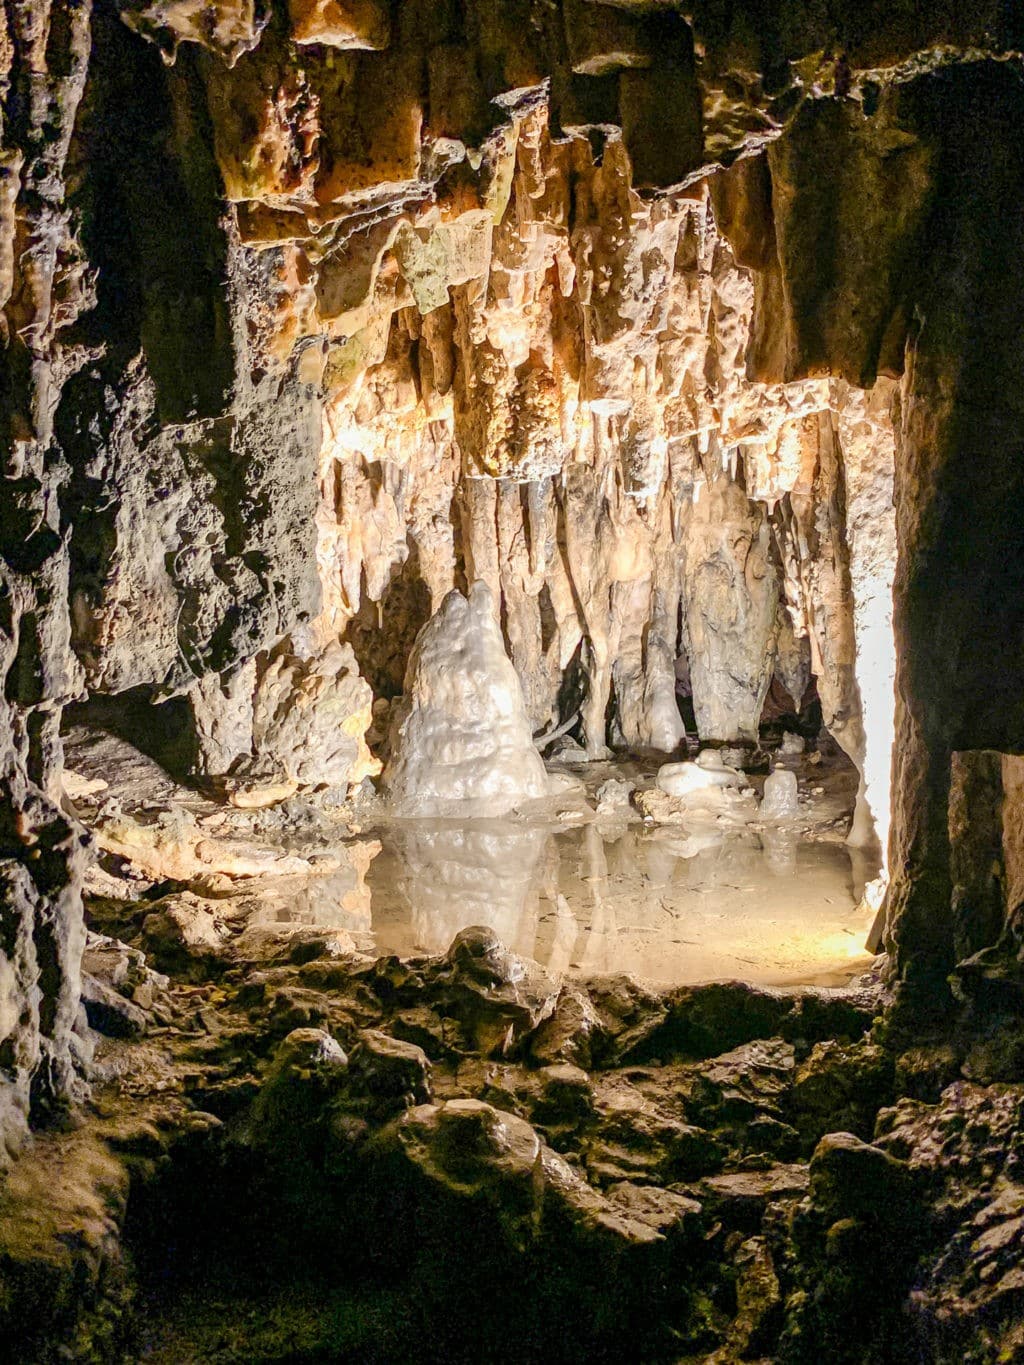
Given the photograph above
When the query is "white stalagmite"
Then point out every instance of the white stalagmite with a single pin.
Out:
(460, 735)
(781, 796)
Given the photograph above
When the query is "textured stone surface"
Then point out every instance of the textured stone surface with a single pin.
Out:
(460, 737)
(283, 363)
(491, 1190)
(299, 720)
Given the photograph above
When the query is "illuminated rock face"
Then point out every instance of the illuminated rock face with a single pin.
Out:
(300, 719)
(620, 491)
(731, 607)
(461, 738)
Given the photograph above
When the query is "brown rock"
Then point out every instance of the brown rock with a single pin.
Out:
(346, 24)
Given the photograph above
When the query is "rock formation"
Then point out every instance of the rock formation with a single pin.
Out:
(640, 314)
(300, 719)
(460, 739)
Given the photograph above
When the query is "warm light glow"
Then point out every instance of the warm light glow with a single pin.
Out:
(876, 673)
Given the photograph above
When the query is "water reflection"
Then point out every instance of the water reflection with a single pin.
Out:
(780, 852)
(452, 876)
(341, 899)
(668, 904)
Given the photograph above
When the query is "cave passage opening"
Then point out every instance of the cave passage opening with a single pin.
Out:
(511, 591)
(747, 854)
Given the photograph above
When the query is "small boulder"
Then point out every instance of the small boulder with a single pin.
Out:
(389, 1073)
(109, 1012)
(695, 780)
(497, 997)
(854, 1179)
(751, 1080)
(309, 1068)
(566, 1034)
(841, 1085)
(739, 1198)
(629, 1018)
(183, 937)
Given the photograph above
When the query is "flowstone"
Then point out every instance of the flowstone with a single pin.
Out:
(460, 738)
(705, 776)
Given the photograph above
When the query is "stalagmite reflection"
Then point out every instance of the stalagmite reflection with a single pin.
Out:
(453, 876)
(668, 903)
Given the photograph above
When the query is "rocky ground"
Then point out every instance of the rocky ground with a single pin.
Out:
(298, 1153)
(297, 1149)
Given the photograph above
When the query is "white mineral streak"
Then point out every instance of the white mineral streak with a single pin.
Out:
(460, 739)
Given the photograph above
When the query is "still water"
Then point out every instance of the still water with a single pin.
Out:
(666, 904)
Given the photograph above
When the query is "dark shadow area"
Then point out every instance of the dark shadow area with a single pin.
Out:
(148, 185)
(245, 1256)
(162, 731)
(382, 634)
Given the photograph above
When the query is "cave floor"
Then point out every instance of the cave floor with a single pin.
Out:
(326, 1126)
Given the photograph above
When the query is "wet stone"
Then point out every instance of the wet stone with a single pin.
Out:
(854, 1179)
(768, 1135)
(740, 1198)
(839, 1086)
(629, 1017)
(752, 1079)
(497, 997)
(666, 1211)
(636, 1140)
(308, 1068)
(566, 1096)
(566, 1035)
(294, 1008)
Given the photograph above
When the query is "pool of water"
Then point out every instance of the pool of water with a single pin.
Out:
(664, 903)
(579, 888)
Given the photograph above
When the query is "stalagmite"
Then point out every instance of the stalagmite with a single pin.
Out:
(731, 597)
(460, 737)
(780, 801)
(293, 719)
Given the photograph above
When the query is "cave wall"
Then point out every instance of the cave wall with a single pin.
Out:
(43, 285)
(270, 338)
(958, 478)
(590, 446)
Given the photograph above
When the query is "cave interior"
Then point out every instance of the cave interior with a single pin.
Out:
(512, 659)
